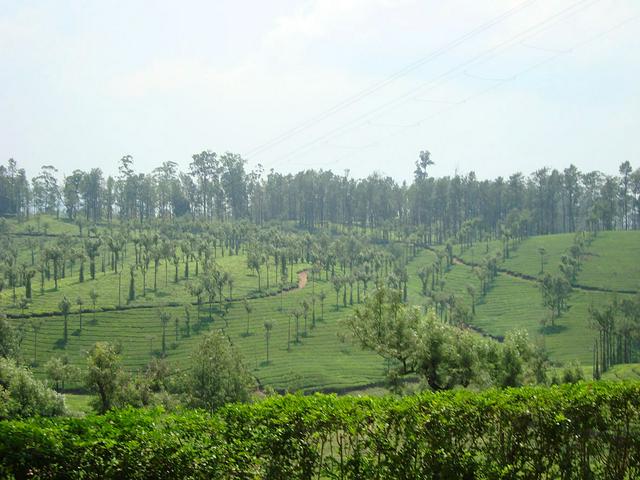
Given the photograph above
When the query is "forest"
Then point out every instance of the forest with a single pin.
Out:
(219, 187)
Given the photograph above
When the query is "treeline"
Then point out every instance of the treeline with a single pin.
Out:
(220, 187)
(588, 430)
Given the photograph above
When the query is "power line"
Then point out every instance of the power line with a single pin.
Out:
(557, 54)
(530, 31)
(377, 86)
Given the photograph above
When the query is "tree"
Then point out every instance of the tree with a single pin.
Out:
(471, 290)
(304, 305)
(104, 375)
(93, 294)
(423, 274)
(625, 171)
(28, 275)
(297, 313)
(322, 296)
(23, 304)
(132, 284)
(422, 163)
(247, 308)
(9, 339)
(555, 290)
(254, 262)
(187, 318)
(196, 289)
(217, 375)
(80, 303)
(61, 371)
(65, 308)
(268, 326)
(337, 286)
(443, 355)
(542, 252)
(165, 317)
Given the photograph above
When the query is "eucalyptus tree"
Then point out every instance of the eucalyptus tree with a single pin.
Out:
(254, 263)
(65, 308)
(165, 317)
(54, 255)
(281, 286)
(625, 172)
(94, 295)
(211, 287)
(132, 284)
(197, 288)
(289, 317)
(268, 327)
(175, 259)
(471, 290)
(220, 279)
(27, 275)
(187, 247)
(80, 303)
(92, 249)
(424, 274)
(304, 307)
(144, 268)
(542, 252)
(337, 283)
(248, 308)
(322, 296)
(82, 259)
(555, 290)
(187, 319)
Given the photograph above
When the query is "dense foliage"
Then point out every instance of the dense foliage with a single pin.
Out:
(218, 187)
(578, 431)
(443, 355)
(21, 395)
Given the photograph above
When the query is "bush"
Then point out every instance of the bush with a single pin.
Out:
(586, 430)
(21, 395)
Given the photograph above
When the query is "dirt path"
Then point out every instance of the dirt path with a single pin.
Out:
(302, 279)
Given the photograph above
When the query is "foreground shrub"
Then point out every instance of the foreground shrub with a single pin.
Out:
(21, 395)
(574, 431)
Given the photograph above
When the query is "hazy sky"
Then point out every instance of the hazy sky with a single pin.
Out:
(490, 86)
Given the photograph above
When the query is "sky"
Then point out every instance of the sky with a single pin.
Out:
(492, 87)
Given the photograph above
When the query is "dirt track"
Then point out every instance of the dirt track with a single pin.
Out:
(302, 279)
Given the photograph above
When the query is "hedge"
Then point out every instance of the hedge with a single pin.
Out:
(588, 430)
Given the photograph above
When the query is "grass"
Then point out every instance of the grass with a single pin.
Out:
(113, 288)
(610, 262)
(629, 371)
(613, 262)
(319, 361)
(515, 303)
(78, 404)
(46, 223)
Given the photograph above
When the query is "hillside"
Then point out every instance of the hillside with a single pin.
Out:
(320, 360)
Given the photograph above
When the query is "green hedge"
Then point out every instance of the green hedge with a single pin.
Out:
(589, 430)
